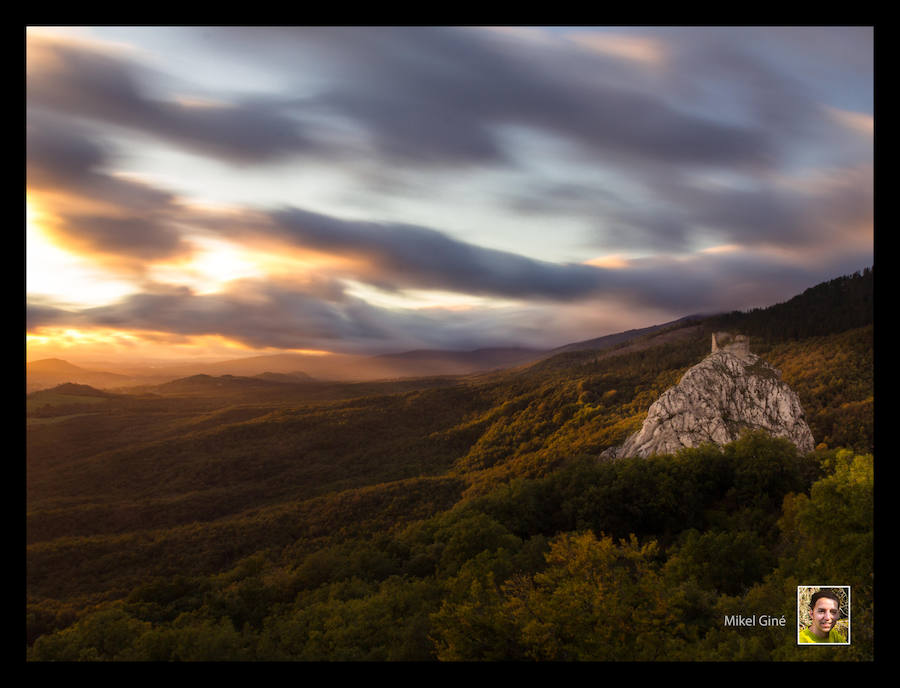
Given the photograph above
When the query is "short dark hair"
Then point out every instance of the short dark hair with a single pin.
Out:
(824, 593)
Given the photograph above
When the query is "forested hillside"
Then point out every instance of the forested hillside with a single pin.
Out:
(455, 518)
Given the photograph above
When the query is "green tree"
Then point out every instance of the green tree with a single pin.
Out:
(107, 634)
(599, 600)
(727, 562)
(830, 535)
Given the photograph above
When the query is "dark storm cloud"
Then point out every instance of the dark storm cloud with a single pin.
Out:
(100, 213)
(86, 83)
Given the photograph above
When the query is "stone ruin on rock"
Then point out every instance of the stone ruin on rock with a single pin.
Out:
(730, 391)
(738, 344)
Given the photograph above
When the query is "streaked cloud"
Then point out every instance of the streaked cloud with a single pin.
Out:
(109, 88)
(409, 187)
(88, 209)
(856, 121)
(640, 49)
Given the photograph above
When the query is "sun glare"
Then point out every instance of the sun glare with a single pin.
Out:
(54, 272)
(76, 344)
(216, 263)
(209, 269)
(61, 339)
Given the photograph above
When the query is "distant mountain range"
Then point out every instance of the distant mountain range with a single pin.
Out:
(50, 372)
(293, 368)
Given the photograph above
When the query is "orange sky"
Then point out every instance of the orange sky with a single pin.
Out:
(191, 193)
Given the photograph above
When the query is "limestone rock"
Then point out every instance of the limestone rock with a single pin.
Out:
(728, 392)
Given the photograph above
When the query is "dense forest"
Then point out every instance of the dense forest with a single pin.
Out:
(455, 518)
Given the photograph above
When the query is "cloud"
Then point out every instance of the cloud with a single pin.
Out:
(322, 315)
(435, 98)
(449, 93)
(796, 214)
(90, 210)
(276, 315)
(401, 256)
(712, 146)
(858, 122)
(108, 87)
(804, 210)
(641, 49)
(442, 97)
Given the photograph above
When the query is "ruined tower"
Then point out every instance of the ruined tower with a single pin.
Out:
(737, 344)
(727, 393)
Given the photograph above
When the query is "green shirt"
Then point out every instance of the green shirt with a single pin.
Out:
(834, 636)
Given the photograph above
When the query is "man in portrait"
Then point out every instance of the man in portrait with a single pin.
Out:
(825, 611)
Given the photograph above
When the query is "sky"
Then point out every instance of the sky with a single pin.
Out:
(218, 192)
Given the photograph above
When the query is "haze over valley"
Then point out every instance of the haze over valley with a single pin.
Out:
(442, 343)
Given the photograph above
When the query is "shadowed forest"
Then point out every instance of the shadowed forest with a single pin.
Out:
(454, 517)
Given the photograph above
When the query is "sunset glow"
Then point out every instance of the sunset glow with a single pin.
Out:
(53, 272)
(209, 269)
(133, 346)
(190, 192)
(614, 262)
(448, 343)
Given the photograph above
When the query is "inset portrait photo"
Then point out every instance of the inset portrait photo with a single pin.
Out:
(823, 614)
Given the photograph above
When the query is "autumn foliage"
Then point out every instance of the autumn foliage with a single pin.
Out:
(461, 519)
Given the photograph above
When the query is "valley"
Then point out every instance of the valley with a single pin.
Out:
(305, 498)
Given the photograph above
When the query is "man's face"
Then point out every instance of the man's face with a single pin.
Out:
(824, 616)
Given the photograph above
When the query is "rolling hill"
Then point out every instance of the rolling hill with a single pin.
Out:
(50, 372)
(451, 517)
(292, 368)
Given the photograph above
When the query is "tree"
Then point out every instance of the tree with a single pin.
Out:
(598, 600)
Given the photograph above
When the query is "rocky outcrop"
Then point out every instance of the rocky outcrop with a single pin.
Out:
(728, 392)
